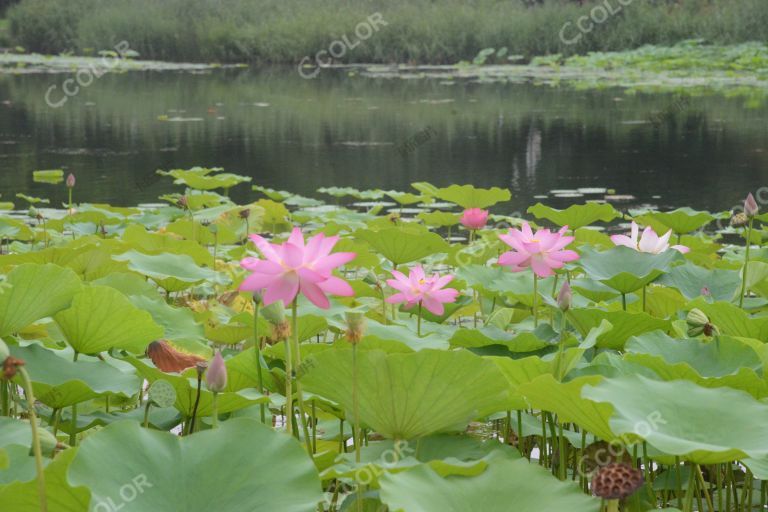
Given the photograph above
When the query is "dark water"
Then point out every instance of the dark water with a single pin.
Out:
(295, 134)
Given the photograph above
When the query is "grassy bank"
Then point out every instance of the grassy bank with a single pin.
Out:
(419, 31)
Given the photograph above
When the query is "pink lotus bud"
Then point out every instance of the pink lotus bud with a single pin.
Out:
(565, 297)
(750, 206)
(474, 218)
(71, 181)
(216, 376)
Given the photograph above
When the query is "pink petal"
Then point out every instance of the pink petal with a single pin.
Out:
(540, 267)
(256, 282)
(296, 238)
(681, 249)
(433, 306)
(284, 288)
(623, 240)
(327, 263)
(315, 295)
(512, 258)
(336, 286)
(293, 255)
(564, 256)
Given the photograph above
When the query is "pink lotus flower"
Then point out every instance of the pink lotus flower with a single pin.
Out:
(750, 206)
(418, 288)
(648, 242)
(216, 376)
(474, 218)
(293, 267)
(542, 251)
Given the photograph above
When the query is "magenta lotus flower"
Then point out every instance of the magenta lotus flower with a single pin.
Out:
(648, 242)
(216, 376)
(70, 180)
(474, 218)
(750, 206)
(293, 267)
(418, 288)
(542, 251)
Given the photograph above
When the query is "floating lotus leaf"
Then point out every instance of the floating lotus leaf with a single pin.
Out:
(32, 292)
(467, 196)
(199, 179)
(624, 269)
(506, 483)
(514, 342)
(624, 325)
(101, 318)
(409, 395)
(576, 216)
(59, 382)
(404, 244)
(263, 471)
(52, 176)
(703, 425)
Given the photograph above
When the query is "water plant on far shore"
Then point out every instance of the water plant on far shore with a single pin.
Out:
(288, 354)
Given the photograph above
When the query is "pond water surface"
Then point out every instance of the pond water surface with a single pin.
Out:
(345, 129)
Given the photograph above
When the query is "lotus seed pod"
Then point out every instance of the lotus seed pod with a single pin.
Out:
(71, 181)
(274, 313)
(697, 318)
(48, 443)
(258, 297)
(750, 206)
(355, 326)
(162, 394)
(616, 481)
(565, 297)
(244, 214)
(739, 220)
(216, 376)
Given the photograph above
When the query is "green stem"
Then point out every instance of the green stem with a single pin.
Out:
(644, 290)
(384, 304)
(559, 370)
(215, 418)
(29, 392)
(746, 264)
(4, 398)
(561, 467)
(624, 301)
(355, 405)
(704, 489)
(288, 388)
(191, 423)
(146, 413)
(70, 202)
(296, 350)
(689, 493)
(215, 248)
(257, 348)
(73, 424)
(612, 506)
(418, 322)
(535, 301)
(678, 483)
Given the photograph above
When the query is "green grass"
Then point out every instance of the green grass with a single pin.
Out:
(418, 31)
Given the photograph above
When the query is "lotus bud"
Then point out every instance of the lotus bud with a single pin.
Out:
(258, 297)
(216, 376)
(355, 326)
(244, 214)
(274, 313)
(48, 443)
(183, 203)
(616, 481)
(750, 206)
(71, 181)
(565, 297)
(371, 279)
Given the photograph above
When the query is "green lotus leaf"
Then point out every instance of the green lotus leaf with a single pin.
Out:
(101, 318)
(173, 272)
(199, 179)
(514, 342)
(624, 325)
(467, 196)
(242, 372)
(409, 395)
(141, 240)
(439, 219)
(624, 269)
(32, 200)
(32, 292)
(404, 198)
(506, 485)
(693, 280)
(179, 324)
(186, 392)
(263, 471)
(575, 216)
(275, 195)
(425, 188)
(404, 244)
(61, 497)
(60, 382)
(52, 176)
(403, 338)
(725, 363)
(679, 419)
(565, 399)
(680, 221)
(14, 229)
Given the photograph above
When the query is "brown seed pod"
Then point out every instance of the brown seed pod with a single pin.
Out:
(168, 359)
(616, 481)
(739, 220)
(601, 453)
(10, 366)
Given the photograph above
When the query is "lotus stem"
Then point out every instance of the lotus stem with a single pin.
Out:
(559, 370)
(418, 322)
(4, 402)
(612, 506)
(257, 349)
(678, 483)
(29, 392)
(704, 489)
(746, 264)
(191, 428)
(215, 418)
(355, 405)
(692, 489)
(562, 471)
(146, 413)
(69, 212)
(73, 423)
(624, 301)
(296, 353)
(535, 301)
(215, 248)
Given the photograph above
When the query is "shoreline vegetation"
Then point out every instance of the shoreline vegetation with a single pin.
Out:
(415, 32)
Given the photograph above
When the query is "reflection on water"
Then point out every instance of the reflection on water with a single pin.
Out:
(299, 135)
